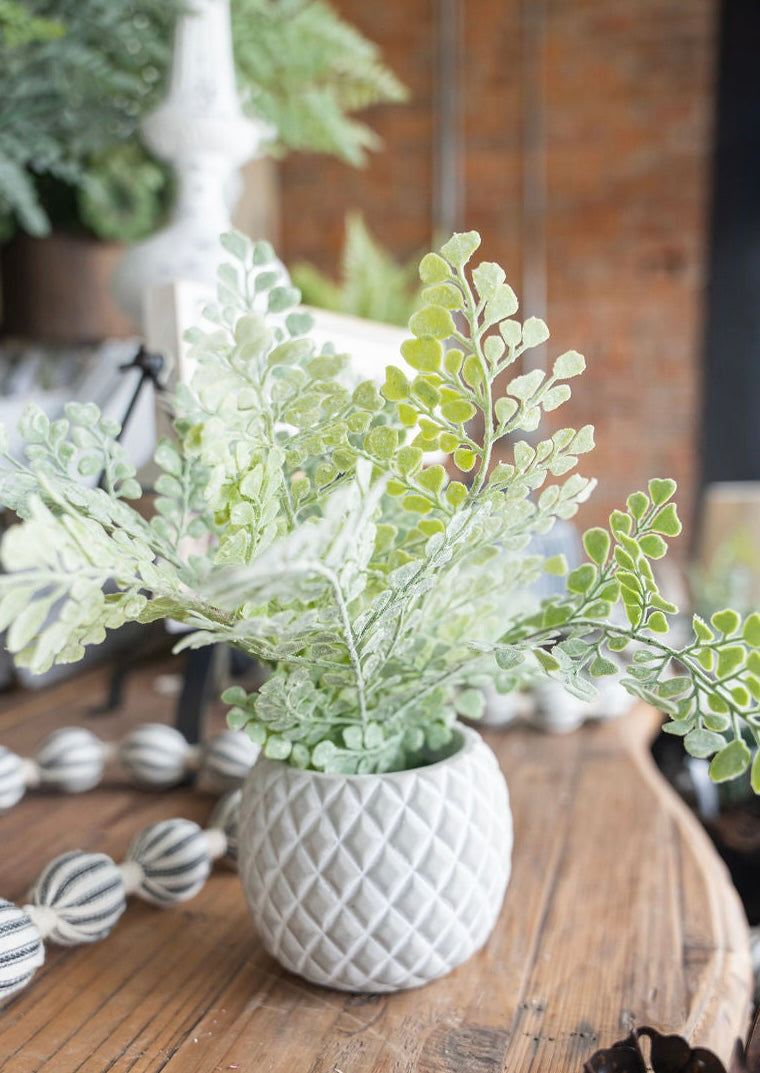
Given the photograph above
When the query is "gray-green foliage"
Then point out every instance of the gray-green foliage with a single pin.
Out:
(124, 193)
(303, 518)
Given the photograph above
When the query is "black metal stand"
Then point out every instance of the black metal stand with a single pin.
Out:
(151, 365)
(197, 676)
(196, 694)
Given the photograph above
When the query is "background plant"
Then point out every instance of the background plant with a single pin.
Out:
(372, 283)
(306, 71)
(375, 583)
(76, 76)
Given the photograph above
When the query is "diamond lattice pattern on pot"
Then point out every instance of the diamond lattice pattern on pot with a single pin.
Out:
(376, 882)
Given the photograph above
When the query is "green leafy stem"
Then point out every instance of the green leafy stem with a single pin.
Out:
(709, 687)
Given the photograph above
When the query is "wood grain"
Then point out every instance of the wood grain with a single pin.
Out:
(618, 912)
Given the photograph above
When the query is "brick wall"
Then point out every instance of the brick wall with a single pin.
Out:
(584, 136)
(394, 190)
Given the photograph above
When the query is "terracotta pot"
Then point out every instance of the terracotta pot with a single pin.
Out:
(377, 882)
(58, 290)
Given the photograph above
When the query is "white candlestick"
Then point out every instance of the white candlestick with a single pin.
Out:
(202, 131)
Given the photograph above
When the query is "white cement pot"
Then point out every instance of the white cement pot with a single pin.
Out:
(377, 882)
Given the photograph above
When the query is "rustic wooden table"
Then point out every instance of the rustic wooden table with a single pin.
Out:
(618, 912)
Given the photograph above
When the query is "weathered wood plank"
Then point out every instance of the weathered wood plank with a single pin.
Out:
(618, 910)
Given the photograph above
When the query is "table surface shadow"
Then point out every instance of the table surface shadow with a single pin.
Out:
(618, 913)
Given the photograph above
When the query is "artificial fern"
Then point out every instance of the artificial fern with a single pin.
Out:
(377, 585)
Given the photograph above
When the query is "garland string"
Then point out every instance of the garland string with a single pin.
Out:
(154, 755)
(80, 896)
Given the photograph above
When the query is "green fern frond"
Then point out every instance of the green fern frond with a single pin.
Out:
(372, 284)
(18, 198)
(304, 69)
(73, 86)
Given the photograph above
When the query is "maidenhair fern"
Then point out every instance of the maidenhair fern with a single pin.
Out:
(364, 541)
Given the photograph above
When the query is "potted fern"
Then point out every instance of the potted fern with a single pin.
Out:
(300, 518)
(76, 178)
(74, 82)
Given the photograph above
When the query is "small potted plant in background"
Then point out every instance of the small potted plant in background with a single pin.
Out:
(76, 78)
(76, 180)
(376, 585)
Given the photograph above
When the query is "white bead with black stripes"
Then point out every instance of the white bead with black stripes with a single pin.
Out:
(79, 897)
(225, 760)
(225, 818)
(13, 778)
(71, 759)
(157, 755)
(170, 861)
(21, 949)
(154, 755)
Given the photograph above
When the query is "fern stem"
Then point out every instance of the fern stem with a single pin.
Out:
(486, 398)
(696, 672)
(449, 678)
(348, 634)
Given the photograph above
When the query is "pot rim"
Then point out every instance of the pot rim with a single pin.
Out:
(469, 739)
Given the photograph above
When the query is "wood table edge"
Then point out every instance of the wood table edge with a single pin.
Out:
(720, 1013)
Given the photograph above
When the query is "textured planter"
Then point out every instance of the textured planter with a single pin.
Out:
(377, 882)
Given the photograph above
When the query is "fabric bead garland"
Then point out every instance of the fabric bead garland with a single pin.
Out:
(80, 896)
(154, 755)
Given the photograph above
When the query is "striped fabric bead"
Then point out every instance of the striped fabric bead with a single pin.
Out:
(71, 760)
(155, 755)
(86, 892)
(174, 858)
(12, 780)
(226, 760)
(225, 817)
(21, 949)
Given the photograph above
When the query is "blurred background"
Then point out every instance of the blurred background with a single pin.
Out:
(608, 152)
